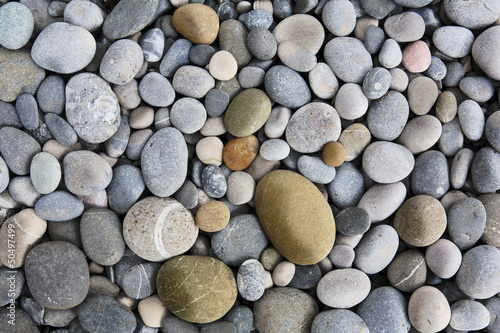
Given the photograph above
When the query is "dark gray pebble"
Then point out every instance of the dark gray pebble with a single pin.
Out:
(176, 324)
(11, 284)
(216, 102)
(226, 10)
(352, 221)
(139, 281)
(430, 174)
(242, 317)
(136, 143)
(221, 326)
(116, 145)
(17, 149)
(156, 90)
(376, 82)
(485, 170)
(60, 129)
(125, 188)
(200, 54)
(466, 222)
(437, 69)
(27, 110)
(282, 8)
(452, 138)
(214, 181)
(374, 38)
(305, 277)
(492, 128)
(68, 231)
(176, 57)
(262, 43)
(187, 195)
(23, 322)
(58, 206)
(124, 21)
(455, 72)
(8, 115)
(104, 314)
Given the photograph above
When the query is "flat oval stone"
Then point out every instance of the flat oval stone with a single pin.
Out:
(242, 239)
(315, 120)
(428, 309)
(339, 54)
(343, 288)
(471, 118)
(197, 289)
(388, 115)
(491, 204)
(382, 200)
(485, 170)
(339, 17)
(257, 108)
(466, 222)
(197, 22)
(296, 56)
(446, 106)
(27, 110)
(121, 62)
(50, 95)
(188, 115)
(193, 81)
(376, 249)
(407, 271)
(104, 313)
(123, 20)
(452, 138)
(385, 310)
(278, 120)
(390, 55)
(76, 48)
(303, 29)
(164, 162)
(422, 94)
(347, 187)
(86, 173)
(314, 169)
(305, 277)
(443, 258)
(286, 87)
(139, 281)
(277, 197)
(430, 175)
(387, 162)
(405, 27)
(323, 81)
(45, 173)
(22, 191)
(468, 315)
(279, 303)
(58, 206)
(354, 138)
(156, 90)
(473, 16)
(341, 321)
(418, 226)
(421, 133)
(60, 129)
(159, 228)
(351, 102)
(125, 188)
(479, 272)
(18, 149)
(239, 153)
(262, 44)
(376, 82)
(455, 42)
(101, 233)
(86, 15)
(485, 51)
(20, 74)
(92, 108)
(214, 181)
(57, 275)
(478, 88)
(17, 25)
(176, 56)
(251, 279)
(352, 221)
(233, 36)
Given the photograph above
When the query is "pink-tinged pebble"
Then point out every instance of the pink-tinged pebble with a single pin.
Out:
(416, 57)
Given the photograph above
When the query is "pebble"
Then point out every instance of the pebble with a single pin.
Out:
(76, 48)
(416, 57)
(240, 188)
(251, 280)
(485, 51)
(24, 323)
(315, 120)
(176, 56)
(385, 309)
(152, 311)
(351, 102)
(428, 310)
(27, 110)
(223, 66)
(407, 271)
(485, 171)
(136, 143)
(296, 56)
(233, 38)
(188, 115)
(92, 108)
(430, 175)
(354, 139)
(471, 118)
(452, 138)
(214, 181)
(156, 90)
(209, 150)
(283, 273)
(405, 27)
(186, 302)
(232, 247)
(60, 129)
(84, 14)
(334, 154)
(323, 81)
(101, 234)
(197, 22)
(278, 302)
(468, 315)
(9, 116)
(477, 275)
(121, 62)
(277, 122)
(341, 256)
(141, 117)
(275, 190)
(286, 87)
(86, 173)
(102, 285)
(251, 77)
(17, 149)
(11, 285)
(187, 195)
(387, 116)
(22, 191)
(45, 173)
(455, 72)
(239, 153)
(347, 187)
(152, 227)
(123, 20)
(105, 313)
(460, 167)
(376, 249)
(306, 277)
(176, 324)
(262, 44)
(341, 321)
(303, 29)
(314, 169)
(68, 231)
(387, 162)
(270, 258)
(374, 37)
(58, 206)
(453, 41)
(466, 222)
(478, 88)
(390, 55)
(139, 281)
(490, 236)
(352, 221)
(216, 102)
(4, 175)
(376, 83)
(17, 25)
(381, 200)
(493, 306)
(339, 17)
(241, 317)
(474, 15)
(152, 43)
(422, 94)
(443, 258)
(258, 18)
(258, 109)
(338, 54)
(57, 275)
(437, 69)
(343, 288)
(446, 107)
(192, 81)
(213, 216)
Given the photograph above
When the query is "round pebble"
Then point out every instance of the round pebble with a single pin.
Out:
(387, 162)
(351, 102)
(338, 54)
(455, 42)
(416, 57)
(192, 81)
(428, 310)
(341, 256)
(223, 66)
(484, 170)
(352, 221)
(286, 87)
(197, 22)
(339, 17)
(258, 108)
(405, 27)
(422, 94)
(376, 249)
(45, 173)
(314, 169)
(474, 15)
(262, 43)
(354, 139)
(471, 118)
(238, 153)
(16, 25)
(347, 187)
(85, 14)
(443, 258)
(387, 116)
(240, 188)
(58, 206)
(156, 90)
(467, 315)
(212, 216)
(188, 115)
(466, 222)
(297, 57)
(343, 288)
(376, 83)
(50, 95)
(390, 55)
(485, 51)
(18, 148)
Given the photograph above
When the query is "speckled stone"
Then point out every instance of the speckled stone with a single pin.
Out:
(422, 94)
(343, 288)
(58, 206)
(376, 249)
(296, 56)
(262, 44)
(175, 57)
(232, 247)
(493, 126)
(430, 175)
(27, 110)
(338, 54)
(233, 36)
(474, 15)
(382, 200)
(354, 138)
(443, 258)
(390, 55)
(315, 120)
(347, 187)
(50, 95)
(251, 279)
(86, 173)
(104, 313)
(17, 25)
(453, 41)
(388, 115)
(305, 277)
(60, 129)
(387, 162)
(314, 169)
(352, 221)
(491, 204)
(214, 182)
(68, 231)
(156, 90)
(339, 17)
(139, 281)
(192, 81)
(341, 321)
(407, 271)
(452, 138)
(376, 82)
(57, 274)
(323, 81)
(466, 222)
(471, 118)
(284, 310)
(485, 170)
(4, 175)
(17, 149)
(303, 29)
(286, 87)
(22, 191)
(428, 310)
(180, 287)
(468, 315)
(123, 20)
(446, 106)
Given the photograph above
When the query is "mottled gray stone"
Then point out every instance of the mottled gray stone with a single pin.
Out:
(24, 324)
(262, 44)
(339, 321)
(347, 187)
(103, 313)
(86, 173)
(233, 38)
(124, 20)
(378, 8)
(242, 317)
(17, 149)
(213, 181)
(125, 188)
(11, 284)
(387, 162)
(471, 118)
(437, 69)
(176, 324)
(16, 24)
(491, 129)
(474, 15)
(22, 191)
(8, 116)
(27, 110)
(382, 200)
(192, 81)
(467, 315)
(258, 18)
(50, 94)
(176, 57)
(430, 175)
(388, 115)
(452, 138)
(216, 102)
(305, 277)
(314, 169)
(340, 53)
(60, 129)
(453, 41)
(139, 281)
(376, 82)
(251, 280)
(58, 206)
(156, 90)
(188, 115)
(121, 62)
(374, 38)
(68, 231)
(376, 249)
(187, 195)
(466, 222)
(286, 87)
(152, 43)
(352, 221)
(485, 170)
(200, 54)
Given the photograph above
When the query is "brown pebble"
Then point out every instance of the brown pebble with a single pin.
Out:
(334, 154)
(213, 216)
(239, 153)
(416, 57)
(197, 22)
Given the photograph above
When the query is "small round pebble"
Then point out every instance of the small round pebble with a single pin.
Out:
(139, 281)
(197, 22)
(405, 27)
(347, 187)
(388, 115)
(141, 117)
(212, 216)
(239, 153)
(428, 310)
(223, 66)
(27, 110)
(16, 25)
(443, 258)
(422, 94)
(152, 311)
(85, 14)
(453, 41)
(342, 256)
(193, 81)
(262, 43)
(286, 87)
(354, 139)
(416, 57)
(86, 173)
(240, 188)
(351, 102)
(339, 17)
(381, 200)
(376, 82)
(283, 273)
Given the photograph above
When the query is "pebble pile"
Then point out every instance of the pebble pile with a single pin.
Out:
(241, 166)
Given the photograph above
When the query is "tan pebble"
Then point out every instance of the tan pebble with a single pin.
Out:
(142, 117)
(263, 4)
(239, 153)
(269, 280)
(59, 150)
(355, 138)
(127, 301)
(19, 234)
(95, 268)
(213, 216)
(270, 258)
(362, 24)
(213, 127)
(325, 266)
(196, 22)
(243, 7)
(334, 154)
(446, 107)
(152, 311)
(283, 273)
(223, 66)
(209, 150)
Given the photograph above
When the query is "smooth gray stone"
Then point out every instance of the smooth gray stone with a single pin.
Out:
(216, 102)
(430, 175)
(478, 88)
(125, 188)
(475, 15)
(16, 23)
(33, 309)
(75, 48)
(162, 118)
(378, 8)
(338, 321)
(116, 145)
(156, 90)
(57, 274)
(11, 284)
(124, 21)
(165, 24)
(121, 62)
(431, 19)
(193, 81)
(493, 306)
(39, 10)
(258, 18)
(387, 162)
(136, 143)
(51, 95)
(196, 170)
(60, 129)
(466, 222)
(452, 138)
(86, 173)
(104, 314)
(58, 206)
(164, 162)
(176, 57)
(382, 200)
(176, 324)
(437, 69)
(385, 310)
(218, 327)
(233, 38)
(242, 239)
(286, 87)
(213, 181)
(339, 53)
(405, 27)
(314, 169)
(23, 322)
(188, 115)
(339, 17)
(8, 116)
(455, 72)
(491, 130)
(45, 173)
(129, 260)
(460, 167)
(21, 189)
(17, 149)
(242, 317)
(388, 115)
(68, 231)
(226, 10)
(373, 39)
(262, 44)
(139, 281)
(200, 54)
(305, 277)
(282, 8)
(469, 315)
(251, 280)
(4, 175)
(251, 77)
(376, 82)
(485, 170)
(352, 221)
(187, 195)
(453, 41)
(27, 110)
(58, 318)
(376, 249)
(347, 187)
(152, 43)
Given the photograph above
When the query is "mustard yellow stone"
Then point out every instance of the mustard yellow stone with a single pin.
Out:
(196, 22)
(213, 216)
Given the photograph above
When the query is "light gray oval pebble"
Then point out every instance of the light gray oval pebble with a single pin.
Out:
(339, 53)
(382, 200)
(314, 169)
(387, 162)
(376, 249)
(251, 280)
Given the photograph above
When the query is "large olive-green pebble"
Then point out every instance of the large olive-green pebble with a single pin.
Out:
(247, 113)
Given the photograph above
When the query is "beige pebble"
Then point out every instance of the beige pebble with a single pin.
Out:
(18, 235)
(128, 94)
(127, 301)
(103, 286)
(362, 24)
(111, 160)
(325, 266)
(449, 198)
(213, 127)
(263, 4)
(283, 273)
(240, 188)
(213, 216)
(95, 268)
(446, 107)
(243, 7)
(223, 66)
(59, 150)
(269, 280)
(142, 117)
(355, 138)
(209, 150)
(152, 311)
(334, 154)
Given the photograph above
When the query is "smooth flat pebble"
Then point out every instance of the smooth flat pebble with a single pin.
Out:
(192, 81)
(296, 56)
(485, 171)
(471, 118)
(428, 309)
(283, 273)
(27, 110)
(490, 202)
(323, 81)
(387, 162)
(233, 38)
(376, 249)
(60, 129)
(421, 133)
(452, 138)
(341, 321)
(381, 200)
(122, 20)
(251, 77)
(314, 169)
(466, 222)
(485, 51)
(306, 276)
(390, 55)
(262, 44)
(86, 173)
(339, 53)
(347, 187)
(139, 281)
(443, 258)
(58, 206)
(430, 175)
(240, 188)
(286, 87)
(351, 102)
(21, 190)
(107, 314)
(257, 106)
(352, 221)
(446, 107)
(405, 27)
(422, 94)
(203, 25)
(84, 14)
(188, 115)
(18, 148)
(387, 116)
(242, 317)
(152, 44)
(376, 83)
(343, 288)
(121, 62)
(45, 173)
(354, 138)
(339, 17)
(473, 16)
(156, 90)
(50, 95)
(467, 315)
(187, 195)
(478, 88)
(407, 271)
(175, 57)
(17, 25)
(277, 122)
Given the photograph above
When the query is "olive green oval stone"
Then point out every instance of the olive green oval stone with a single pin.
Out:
(197, 289)
(295, 216)
(247, 113)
